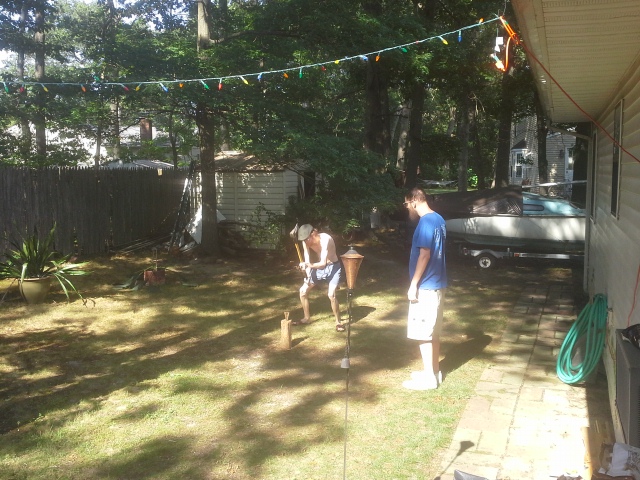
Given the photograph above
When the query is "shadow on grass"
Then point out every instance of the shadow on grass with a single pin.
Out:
(69, 369)
(459, 354)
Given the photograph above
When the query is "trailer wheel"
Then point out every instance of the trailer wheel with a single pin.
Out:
(486, 261)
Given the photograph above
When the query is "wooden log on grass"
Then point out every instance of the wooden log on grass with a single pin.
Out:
(285, 332)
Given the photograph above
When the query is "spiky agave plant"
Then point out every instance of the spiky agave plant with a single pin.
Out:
(35, 258)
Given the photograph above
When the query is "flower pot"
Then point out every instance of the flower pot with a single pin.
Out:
(34, 290)
(154, 277)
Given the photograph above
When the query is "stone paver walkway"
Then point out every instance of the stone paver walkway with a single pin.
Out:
(523, 422)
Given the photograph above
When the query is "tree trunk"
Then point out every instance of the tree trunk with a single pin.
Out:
(206, 132)
(114, 108)
(504, 150)
(481, 165)
(451, 132)
(39, 119)
(96, 157)
(504, 135)
(463, 156)
(204, 120)
(25, 128)
(580, 164)
(403, 134)
(173, 141)
(377, 123)
(224, 135)
(541, 133)
(204, 35)
(415, 135)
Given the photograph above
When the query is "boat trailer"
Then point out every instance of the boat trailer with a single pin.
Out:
(486, 257)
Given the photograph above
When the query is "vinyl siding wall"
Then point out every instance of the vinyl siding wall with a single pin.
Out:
(526, 130)
(556, 143)
(239, 194)
(613, 259)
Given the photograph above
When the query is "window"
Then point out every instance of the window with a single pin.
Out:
(518, 171)
(520, 161)
(569, 165)
(616, 167)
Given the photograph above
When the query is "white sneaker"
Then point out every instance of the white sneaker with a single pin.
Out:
(423, 382)
(421, 374)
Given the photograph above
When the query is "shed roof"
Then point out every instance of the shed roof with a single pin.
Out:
(138, 164)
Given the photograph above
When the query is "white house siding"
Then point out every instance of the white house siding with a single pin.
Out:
(240, 193)
(556, 161)
(614, 250)
(525, 130)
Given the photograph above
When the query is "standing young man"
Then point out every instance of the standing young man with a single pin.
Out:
(326, 268)
(428, 276)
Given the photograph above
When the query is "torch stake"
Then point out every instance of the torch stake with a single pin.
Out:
(351, 261)
(345, 365)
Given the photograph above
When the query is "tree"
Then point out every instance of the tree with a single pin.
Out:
(335, 116)
(542, 131)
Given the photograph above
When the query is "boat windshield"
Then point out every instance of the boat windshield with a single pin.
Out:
(538, 205)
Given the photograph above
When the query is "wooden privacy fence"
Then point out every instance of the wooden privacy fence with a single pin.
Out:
(92, 209)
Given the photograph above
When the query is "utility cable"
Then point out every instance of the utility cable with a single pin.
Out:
(587, 333)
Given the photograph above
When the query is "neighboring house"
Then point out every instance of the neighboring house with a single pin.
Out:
(523, 163)
(591, 50)
(131, 137)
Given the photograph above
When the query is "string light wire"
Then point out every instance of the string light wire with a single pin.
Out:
(259, 75)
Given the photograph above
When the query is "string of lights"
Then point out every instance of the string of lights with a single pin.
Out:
(21, 86)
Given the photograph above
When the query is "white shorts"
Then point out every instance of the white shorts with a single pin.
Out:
(425, 316)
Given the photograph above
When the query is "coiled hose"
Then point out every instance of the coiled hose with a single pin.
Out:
(587, 332)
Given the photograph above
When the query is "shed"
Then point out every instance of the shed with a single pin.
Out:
(244, 183)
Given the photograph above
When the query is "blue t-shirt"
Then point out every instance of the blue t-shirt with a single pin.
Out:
(430, 233)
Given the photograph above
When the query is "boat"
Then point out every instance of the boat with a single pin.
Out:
(509, 218)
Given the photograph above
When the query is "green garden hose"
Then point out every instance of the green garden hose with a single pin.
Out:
(588, 330)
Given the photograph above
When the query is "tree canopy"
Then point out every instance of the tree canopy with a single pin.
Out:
(366, 93)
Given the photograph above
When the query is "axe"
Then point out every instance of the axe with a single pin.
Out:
(294, 235)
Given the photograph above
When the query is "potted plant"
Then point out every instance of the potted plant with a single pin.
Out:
(35, 263)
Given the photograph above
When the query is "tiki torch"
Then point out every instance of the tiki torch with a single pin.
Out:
(351, 262)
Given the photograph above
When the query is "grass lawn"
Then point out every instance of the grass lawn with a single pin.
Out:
(188, 380)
